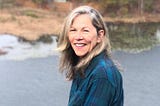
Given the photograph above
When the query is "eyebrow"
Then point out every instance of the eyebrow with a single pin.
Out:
(82, 27)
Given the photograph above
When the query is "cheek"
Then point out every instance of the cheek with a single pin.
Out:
(70, 38)
(93, 36)
(92, 39)
(93, 43)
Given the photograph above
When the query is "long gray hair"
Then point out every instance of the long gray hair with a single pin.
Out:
(69, 61)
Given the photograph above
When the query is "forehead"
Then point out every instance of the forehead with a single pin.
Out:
(82, 19)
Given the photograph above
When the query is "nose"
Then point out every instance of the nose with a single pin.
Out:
(79, 36)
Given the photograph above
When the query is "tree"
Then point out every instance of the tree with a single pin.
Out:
(41, 3)
(141, 7)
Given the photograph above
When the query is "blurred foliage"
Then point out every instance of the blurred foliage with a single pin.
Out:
(45, 38)
(39, 1)
(122, 7)
(31, 14)
(118, 7)
(6, 3)
(148, 6)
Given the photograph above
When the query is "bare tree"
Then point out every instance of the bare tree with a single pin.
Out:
(141, 6)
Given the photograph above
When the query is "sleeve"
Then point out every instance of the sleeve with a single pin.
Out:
(100, 93)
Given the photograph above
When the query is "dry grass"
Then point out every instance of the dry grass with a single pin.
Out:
(30, 26)
(31, 23)
(135, 19)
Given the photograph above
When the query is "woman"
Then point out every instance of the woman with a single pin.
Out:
(85, 56)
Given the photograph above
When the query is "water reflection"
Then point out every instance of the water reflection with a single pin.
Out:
(134, 37)
(17, 49)
(158, 35)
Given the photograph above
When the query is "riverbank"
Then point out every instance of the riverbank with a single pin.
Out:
(32, 23)
(29, 23)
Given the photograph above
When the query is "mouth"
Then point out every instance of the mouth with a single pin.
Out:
(80, 44)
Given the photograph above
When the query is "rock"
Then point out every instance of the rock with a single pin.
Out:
(2, 52)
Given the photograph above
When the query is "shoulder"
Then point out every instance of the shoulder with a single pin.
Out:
(106, 69)
(103, 65)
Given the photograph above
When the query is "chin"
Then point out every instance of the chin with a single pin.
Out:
(80, 54)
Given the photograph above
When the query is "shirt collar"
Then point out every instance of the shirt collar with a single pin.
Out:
(93, 63)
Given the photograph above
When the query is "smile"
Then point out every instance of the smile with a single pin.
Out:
(79, 44)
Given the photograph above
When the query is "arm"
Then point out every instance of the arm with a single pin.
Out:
(100, 93)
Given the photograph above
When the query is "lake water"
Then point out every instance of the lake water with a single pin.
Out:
(141, 77)
(37, 82)
(20, 50)
(132, 38)
(29, 74)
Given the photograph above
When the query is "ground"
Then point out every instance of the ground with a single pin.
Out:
(29, 23)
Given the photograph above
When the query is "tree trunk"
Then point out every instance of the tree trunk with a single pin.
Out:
(140, 7)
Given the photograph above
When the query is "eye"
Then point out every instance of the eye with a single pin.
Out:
(86, 30)
(72, 30)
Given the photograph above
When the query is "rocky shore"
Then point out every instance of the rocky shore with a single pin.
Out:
(2, 52)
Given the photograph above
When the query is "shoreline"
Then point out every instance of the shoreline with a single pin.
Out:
(30, 23)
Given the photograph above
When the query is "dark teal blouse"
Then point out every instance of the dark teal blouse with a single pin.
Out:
(101, 86)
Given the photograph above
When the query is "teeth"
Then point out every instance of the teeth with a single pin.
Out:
(79, 45)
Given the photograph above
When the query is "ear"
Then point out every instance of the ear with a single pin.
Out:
(100, 35)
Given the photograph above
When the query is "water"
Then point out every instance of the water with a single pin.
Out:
(141, 77)
(134, 38)
(19, 50)
(37, 82)
(158, 35)
(32, 82)
(29, 71)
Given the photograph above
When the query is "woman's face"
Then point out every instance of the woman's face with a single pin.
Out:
(83, 36)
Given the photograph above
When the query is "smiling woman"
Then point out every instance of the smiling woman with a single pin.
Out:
(83, 35)
(86, 58)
